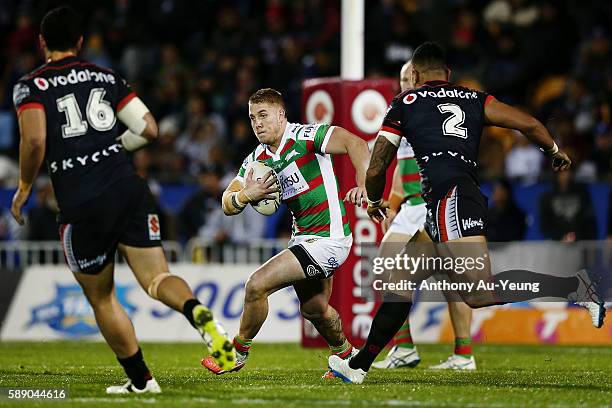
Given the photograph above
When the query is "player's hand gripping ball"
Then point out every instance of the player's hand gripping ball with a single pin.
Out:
(263, 187)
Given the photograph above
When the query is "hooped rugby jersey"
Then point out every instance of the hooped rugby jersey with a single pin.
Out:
(443, 123)
(308, 183)
(409, 172)
(80, 100)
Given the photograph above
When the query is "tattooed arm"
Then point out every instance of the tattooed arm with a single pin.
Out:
(382, 155)
(385, 149)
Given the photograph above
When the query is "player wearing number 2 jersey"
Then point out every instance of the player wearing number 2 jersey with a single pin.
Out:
(443, 122)
(406, 215)
(301, 157)
(69, 113)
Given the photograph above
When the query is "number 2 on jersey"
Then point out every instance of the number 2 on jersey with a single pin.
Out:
(100, 114)
(452, 124)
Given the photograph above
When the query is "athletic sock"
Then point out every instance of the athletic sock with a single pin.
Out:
(188, 309)
(389, 318)
(403, 338)
(243, 346)
(136, 369)
(463, 346)
(343, 351)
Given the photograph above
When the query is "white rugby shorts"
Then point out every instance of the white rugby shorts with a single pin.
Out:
(320, 256)
(409, 219)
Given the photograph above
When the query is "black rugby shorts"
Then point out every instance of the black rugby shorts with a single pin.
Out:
(455, 210)
(124, 213)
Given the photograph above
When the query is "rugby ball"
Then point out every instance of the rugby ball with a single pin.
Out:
(266, 206)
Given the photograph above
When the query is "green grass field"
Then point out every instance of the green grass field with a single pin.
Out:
(288, 376)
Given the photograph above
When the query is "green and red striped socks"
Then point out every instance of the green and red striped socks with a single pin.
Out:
(343, 351)
(463, 346)
(242, 345)
(403, 338)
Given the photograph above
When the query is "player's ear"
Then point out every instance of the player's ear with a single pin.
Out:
(79, 44)
(448, 74)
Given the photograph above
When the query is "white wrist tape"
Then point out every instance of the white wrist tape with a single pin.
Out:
(391, 137)
(552, 151)
(132, 141)
(132, 115)
(376, 203)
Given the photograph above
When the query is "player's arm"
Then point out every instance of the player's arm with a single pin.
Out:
(342, 141)
(500, 114)
(237, 195)
(383, 153)
(140, 123)
(231, 202)
(385, 149)
(33, 131)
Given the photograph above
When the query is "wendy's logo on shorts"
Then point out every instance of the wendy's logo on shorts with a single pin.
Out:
(69, 312)
(470, 223)
(154, 228)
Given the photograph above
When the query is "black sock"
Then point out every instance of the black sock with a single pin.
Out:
(136, 369)
(548, 285)
(188, 309)
(388, 320)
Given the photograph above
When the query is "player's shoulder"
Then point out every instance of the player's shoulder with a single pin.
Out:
(29, 85)
(400, 96)
(294, 129)
(305, 132)
(31, 75)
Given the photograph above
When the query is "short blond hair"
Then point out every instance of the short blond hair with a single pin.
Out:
(267, 95)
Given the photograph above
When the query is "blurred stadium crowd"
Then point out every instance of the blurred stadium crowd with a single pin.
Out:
(196, 63)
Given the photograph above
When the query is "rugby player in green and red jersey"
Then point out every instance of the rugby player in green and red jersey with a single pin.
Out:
(301, 157)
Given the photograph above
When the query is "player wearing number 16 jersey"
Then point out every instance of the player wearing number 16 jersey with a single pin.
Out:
(70, 113)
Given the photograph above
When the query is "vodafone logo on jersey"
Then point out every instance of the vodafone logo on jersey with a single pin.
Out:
(410, 98)
(320, 108)
(41, 83)
(368, 111)
(73, 77)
